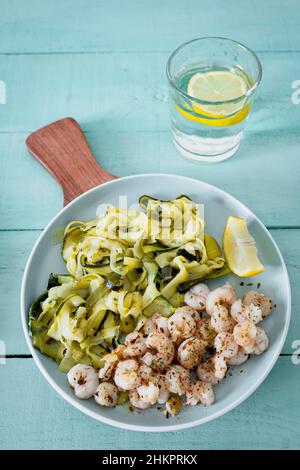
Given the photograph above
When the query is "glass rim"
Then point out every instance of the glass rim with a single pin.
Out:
(197, 100)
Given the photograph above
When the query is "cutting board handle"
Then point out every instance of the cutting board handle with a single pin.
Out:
(62, 149)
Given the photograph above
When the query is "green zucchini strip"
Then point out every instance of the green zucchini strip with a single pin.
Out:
(122, 268)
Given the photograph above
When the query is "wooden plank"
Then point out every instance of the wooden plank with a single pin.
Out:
(265, 174)
(117, 89)
(93, 25)
(14, 250)
(269, 419)
(127, 125)
(107, 93)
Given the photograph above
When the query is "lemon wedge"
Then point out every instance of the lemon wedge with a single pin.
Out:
(240, 249)
(216, 86)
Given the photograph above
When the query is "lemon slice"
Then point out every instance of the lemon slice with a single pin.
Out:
(218, 85)
(240, 249)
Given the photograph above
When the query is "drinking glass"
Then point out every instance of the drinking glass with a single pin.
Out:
(211, 130)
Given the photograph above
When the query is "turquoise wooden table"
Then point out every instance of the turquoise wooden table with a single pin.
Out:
(103, 63)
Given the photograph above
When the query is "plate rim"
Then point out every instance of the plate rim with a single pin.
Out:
(142, 428)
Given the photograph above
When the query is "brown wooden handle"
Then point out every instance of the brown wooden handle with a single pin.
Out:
(62, 149)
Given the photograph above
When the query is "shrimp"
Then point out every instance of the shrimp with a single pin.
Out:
(110, 363)
(106, 394)
(178, 378)
(148, 393)
(261, 342)
(127, 375)
(244, 335)
(200, 392)
(146, 373)
(220, 319)
(157, 323)
(223, 296)
(164, 354)
(206, 332)
(241, 312)
(163, 386)
(212, 370)
(220, 366)
(183, 323)
(225, 345)
(135, 344)
(84, 380)
(190, 352)
(162, 325)
(196, 296)
(149, 376)
(173, 406)
(206, 372)
(260, 300)
(137, 401)
(239, 359)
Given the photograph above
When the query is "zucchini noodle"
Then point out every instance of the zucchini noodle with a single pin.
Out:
(124, 266)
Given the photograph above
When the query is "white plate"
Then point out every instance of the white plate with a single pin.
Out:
(45, 258)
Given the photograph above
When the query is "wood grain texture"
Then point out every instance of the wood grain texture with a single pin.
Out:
(127, 92)
(62, 149)
(34, 417)
(104, 65)
(19, 243)
(265, 174)
(98, 25)
(121, 102)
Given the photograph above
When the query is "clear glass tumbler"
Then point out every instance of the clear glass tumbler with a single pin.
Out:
(212, 82)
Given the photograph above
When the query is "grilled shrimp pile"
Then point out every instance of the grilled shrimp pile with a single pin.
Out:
(177, 360)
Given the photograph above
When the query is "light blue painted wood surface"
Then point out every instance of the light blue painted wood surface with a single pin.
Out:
(96, 25)
(104, 65)
(34, 417)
